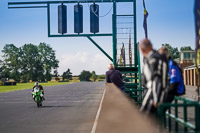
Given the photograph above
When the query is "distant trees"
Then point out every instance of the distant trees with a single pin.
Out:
(102, 77)
(85, 76)
(186, 48)
(1, 69)
(94, 76)
(174, 53)
(88, 76)
(29, 62)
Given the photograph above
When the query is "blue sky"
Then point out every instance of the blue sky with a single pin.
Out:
(169, 21)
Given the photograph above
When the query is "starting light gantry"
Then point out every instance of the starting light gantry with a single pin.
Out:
(120, 23)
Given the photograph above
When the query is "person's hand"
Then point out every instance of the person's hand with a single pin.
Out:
(155, 105)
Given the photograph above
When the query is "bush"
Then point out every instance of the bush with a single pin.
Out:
(9, 83)
(64, 81)
(85, 76)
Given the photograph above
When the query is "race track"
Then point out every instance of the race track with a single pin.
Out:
(69, 108)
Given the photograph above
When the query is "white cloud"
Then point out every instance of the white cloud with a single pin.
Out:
(83, 61)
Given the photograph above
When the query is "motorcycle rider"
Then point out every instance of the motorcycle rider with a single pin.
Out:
(40, 87)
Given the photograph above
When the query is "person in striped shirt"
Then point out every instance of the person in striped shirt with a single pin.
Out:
(154, 78)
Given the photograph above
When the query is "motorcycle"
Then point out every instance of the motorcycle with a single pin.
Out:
(37, 96)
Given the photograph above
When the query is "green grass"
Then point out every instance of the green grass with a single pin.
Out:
(23, 86)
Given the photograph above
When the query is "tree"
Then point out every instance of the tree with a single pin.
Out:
(102, 77)
(85, 76)
(94, 76)
(1, 69)
(29, 62)
(48, 58)
(174, 53)
(12, 63)
(186, 48)
(67, 75)
(56, 75)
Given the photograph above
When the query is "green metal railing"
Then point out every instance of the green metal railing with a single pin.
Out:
(135, 89)
(170, 112)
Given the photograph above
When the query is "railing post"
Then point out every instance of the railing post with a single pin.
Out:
(185, 114)
(176, 114)
(161, 115)
(169, 120)
(114, 29)
(197, 117)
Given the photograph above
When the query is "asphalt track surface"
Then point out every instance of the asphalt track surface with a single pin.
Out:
(68, 108)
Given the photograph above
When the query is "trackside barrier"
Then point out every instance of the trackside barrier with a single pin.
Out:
(167, 115)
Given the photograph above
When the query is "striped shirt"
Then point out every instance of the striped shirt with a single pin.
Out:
(154, 80)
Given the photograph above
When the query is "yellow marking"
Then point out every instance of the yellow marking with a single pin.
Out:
(198, 59)
(199, 31)
(145, 12)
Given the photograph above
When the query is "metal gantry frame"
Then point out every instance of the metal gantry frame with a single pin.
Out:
(132, 69)
(46, 4)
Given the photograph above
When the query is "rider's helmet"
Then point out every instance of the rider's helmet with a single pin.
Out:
(36, 83)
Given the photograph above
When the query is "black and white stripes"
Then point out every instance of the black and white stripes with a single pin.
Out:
(154, 80)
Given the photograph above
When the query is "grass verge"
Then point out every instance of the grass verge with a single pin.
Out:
(23, 86)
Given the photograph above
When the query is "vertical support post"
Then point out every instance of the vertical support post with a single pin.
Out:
(114, 28)
(169, 120)
(164, 119)
(48, 18)
(139, 75)
(135, 34)
(176, 114)
(191, 77)
(185, 115)
(135, 38)
(195, 77)
(188, 77)
(114, 34)
(161, 115)
(197, 117)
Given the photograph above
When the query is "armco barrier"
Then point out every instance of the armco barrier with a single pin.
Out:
(169, 113)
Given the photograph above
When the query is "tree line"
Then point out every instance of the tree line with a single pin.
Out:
(36, 63)
(174, 52)
(28, 62)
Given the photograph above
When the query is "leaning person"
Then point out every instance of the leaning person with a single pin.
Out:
(176, 86)
(115, 77)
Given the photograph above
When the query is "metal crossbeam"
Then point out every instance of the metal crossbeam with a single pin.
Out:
(13, 4)
(79, 35)
(99, 48)
(70, 1)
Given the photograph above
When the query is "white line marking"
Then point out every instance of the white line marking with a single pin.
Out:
(98, 113)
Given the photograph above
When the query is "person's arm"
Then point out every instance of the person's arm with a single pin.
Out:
(154, 83)
(41, 88)
(107, 78)
(174, 79)
(33, 88)
(121, 76)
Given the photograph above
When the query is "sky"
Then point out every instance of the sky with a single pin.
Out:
(169, 21)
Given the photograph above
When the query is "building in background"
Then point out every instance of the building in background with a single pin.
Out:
(190, 76)
(187, 58)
